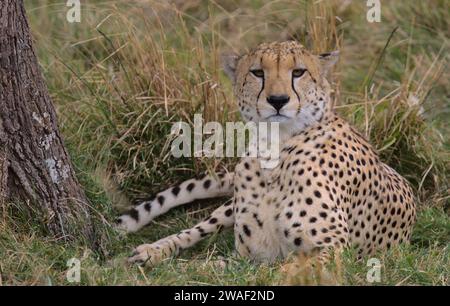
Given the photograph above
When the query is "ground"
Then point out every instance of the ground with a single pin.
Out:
(122, 76)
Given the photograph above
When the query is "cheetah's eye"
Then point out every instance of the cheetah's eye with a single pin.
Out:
(259, 73)
(296, 73)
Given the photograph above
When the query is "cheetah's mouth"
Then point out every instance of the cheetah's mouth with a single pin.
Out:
(277, 117)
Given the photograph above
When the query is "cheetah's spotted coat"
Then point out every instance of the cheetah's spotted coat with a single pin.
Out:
(329, 190)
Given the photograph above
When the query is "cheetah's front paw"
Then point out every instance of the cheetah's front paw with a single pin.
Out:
(149, 254)
(126, 224)
(134, 219)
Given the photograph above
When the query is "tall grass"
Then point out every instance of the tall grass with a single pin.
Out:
(130, 70)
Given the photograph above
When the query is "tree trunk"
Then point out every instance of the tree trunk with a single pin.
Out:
(35, 167)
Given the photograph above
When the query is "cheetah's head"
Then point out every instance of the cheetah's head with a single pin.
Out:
(281, 82)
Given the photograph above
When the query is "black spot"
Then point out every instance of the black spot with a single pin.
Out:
(240, 238)
(213, 220)
(176, 190)
(190, 187)
(206, 184)
(161, 200)
(228, 212)
(246, 230)
(255, 216)
(317, 194)
(298, 241)
(133, 213)
(147, 206)
(309, 201)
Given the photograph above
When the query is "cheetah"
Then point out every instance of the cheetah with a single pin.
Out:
(329, 190)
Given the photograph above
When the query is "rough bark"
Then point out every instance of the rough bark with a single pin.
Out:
(35, 167)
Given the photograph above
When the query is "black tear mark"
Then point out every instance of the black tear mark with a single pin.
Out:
(295, 91)
(262, 88)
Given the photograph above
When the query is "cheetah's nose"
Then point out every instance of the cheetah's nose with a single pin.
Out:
(278, 101)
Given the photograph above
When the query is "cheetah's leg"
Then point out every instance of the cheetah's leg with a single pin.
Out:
(314, 269)
(188, 191)
(250, 228)
(152, 254)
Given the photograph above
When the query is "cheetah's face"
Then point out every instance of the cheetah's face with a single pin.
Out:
(281, 82)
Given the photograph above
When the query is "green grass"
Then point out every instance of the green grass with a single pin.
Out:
(121, 77)
(30, 258)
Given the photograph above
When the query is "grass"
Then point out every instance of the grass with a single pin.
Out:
(129, 70)
(29, 258)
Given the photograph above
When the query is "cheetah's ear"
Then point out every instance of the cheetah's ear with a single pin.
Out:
(327, 61)
(229, 63)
